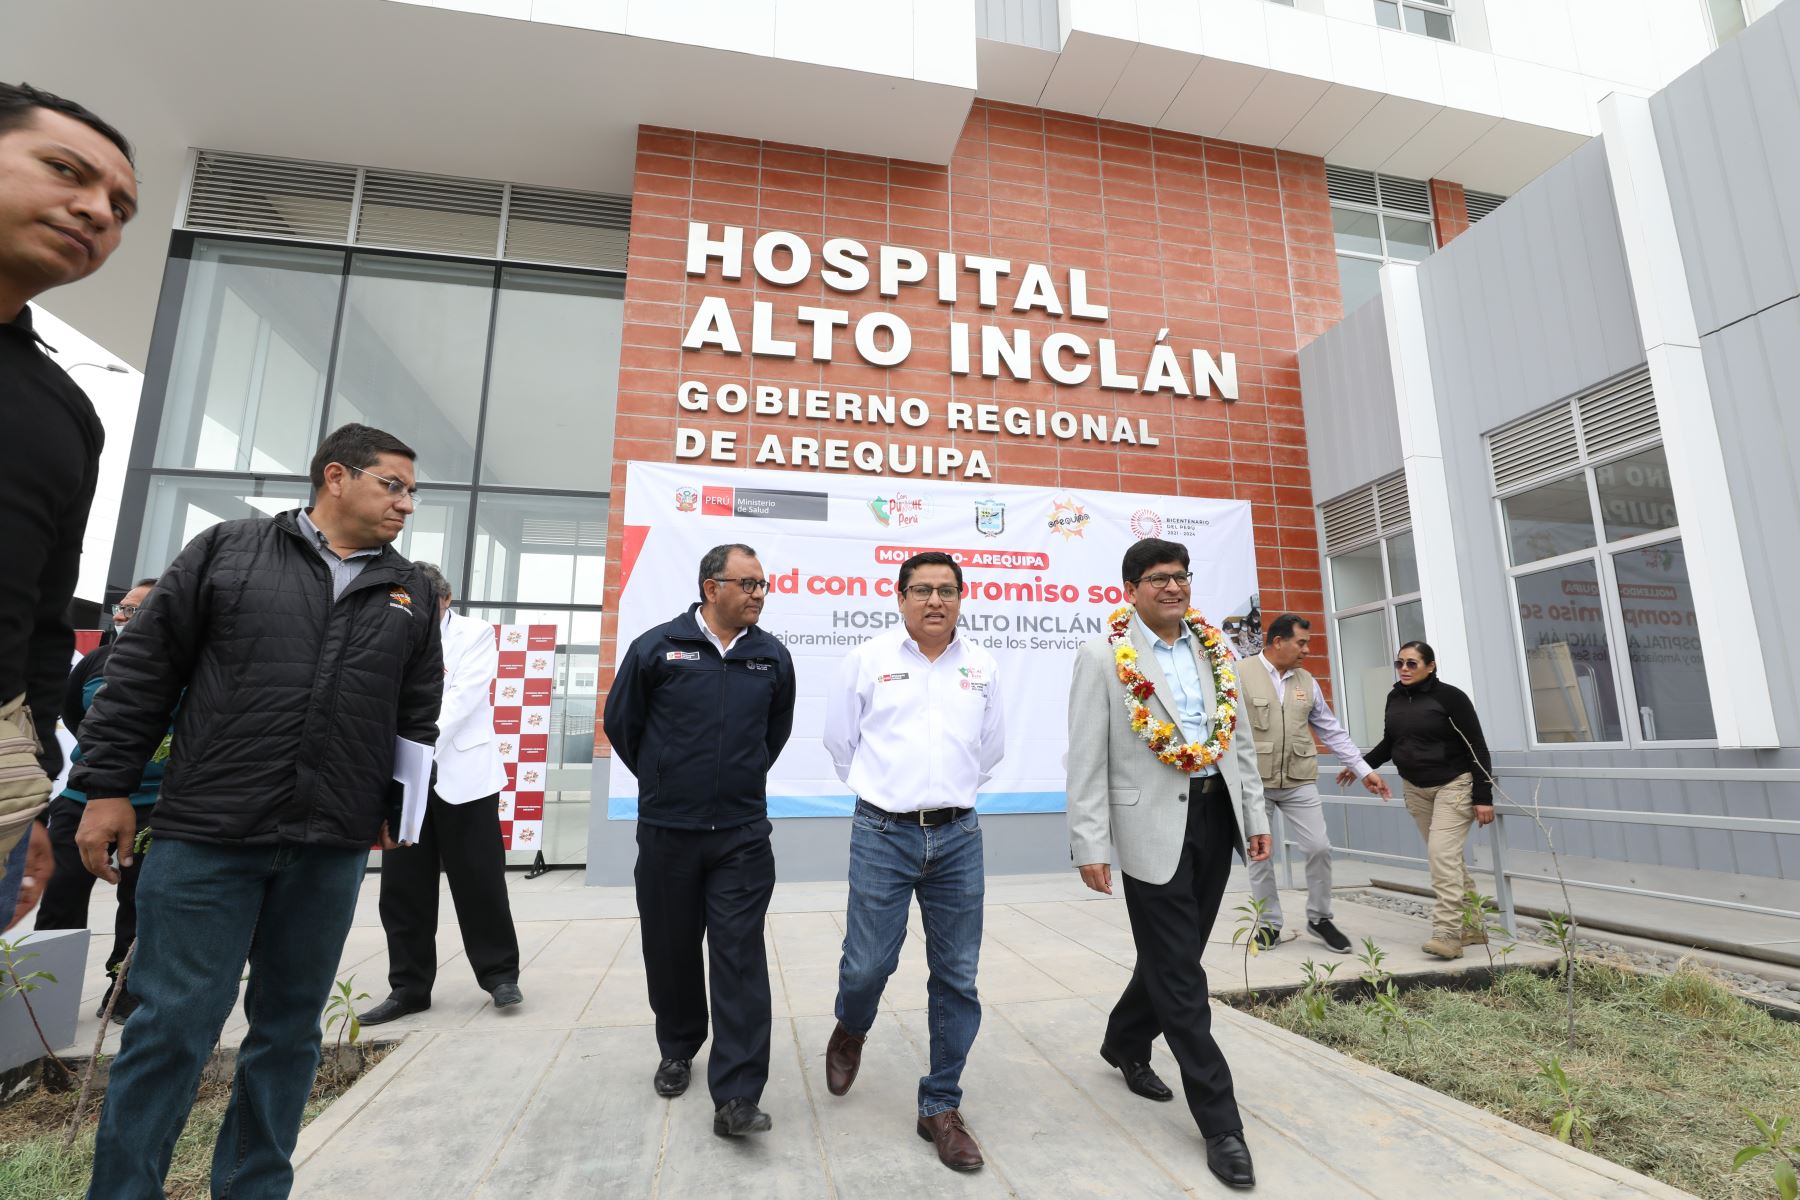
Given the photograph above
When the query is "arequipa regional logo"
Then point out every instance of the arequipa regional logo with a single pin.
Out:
(1069, 517)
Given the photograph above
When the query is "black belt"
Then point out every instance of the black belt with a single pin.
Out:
(1206, 785)
(925, 816)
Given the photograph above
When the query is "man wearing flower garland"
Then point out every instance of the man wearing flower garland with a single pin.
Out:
(1158, 773)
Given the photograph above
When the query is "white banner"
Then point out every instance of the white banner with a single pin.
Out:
(1040, 572)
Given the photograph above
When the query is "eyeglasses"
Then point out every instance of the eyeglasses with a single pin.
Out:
(395, 487)
(1159, 581)
(127, 611)
(1407, 662)
(925, 591)
(752, 587)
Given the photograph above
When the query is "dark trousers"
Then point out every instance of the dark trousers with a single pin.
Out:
(1167, 993)
(463, 842)
(65, 901)
(713, 884)
(205, 912)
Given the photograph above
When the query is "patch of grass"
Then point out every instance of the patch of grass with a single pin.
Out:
(34, 1165)
(1664, 1062)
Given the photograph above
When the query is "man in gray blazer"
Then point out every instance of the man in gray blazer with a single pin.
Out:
(1159, 775)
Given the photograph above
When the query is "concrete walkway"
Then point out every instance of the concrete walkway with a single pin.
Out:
(553, 1099)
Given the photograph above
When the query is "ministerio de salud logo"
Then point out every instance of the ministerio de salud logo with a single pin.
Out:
(1069, 517)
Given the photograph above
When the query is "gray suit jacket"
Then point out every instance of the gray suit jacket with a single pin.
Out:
(1120, 796)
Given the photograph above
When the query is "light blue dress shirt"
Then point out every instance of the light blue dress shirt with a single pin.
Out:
(1190, 689)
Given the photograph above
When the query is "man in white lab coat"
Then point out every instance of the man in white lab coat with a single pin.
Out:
(460, 836)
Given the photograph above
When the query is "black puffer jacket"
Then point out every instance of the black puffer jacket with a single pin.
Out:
(286, 733)
(700, 732)
(1433, 735)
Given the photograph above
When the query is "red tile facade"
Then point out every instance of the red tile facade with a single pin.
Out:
(1228, 247)
(1448, 212)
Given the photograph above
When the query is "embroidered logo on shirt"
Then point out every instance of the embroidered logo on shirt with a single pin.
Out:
(895, 678)
(759, 665)
(401, 599)
(682, 656)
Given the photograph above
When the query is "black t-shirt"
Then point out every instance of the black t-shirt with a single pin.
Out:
(50, 442)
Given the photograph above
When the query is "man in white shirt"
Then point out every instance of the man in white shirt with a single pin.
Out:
(1286, 707)
(460, 836)
(914, 726)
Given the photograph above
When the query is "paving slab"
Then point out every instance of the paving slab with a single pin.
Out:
(554, 1098)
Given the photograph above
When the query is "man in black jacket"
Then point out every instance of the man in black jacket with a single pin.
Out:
(66, 192)
(305, 644)
(699, 710)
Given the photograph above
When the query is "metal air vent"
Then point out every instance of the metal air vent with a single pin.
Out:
(1351, 186)
(1618, 414)
(273, 197)
(1538, 446)
(430, 212)
(1350, 520)
(1391, 503)
(579, 228)
(1480, 204)
(1405, 195)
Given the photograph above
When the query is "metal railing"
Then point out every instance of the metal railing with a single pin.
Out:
(1504, 875)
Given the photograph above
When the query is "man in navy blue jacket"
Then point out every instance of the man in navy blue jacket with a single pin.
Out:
(699, 710)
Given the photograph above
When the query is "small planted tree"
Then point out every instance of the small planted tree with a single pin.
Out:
(340, 1012)
(16, 981)
(1787, 1180)
(1250, 919)
(1570, 1118)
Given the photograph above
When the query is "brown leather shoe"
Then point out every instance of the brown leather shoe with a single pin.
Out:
(956, 1146)
(843, 1056)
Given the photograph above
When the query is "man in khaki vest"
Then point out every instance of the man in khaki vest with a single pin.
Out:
(1285, 706)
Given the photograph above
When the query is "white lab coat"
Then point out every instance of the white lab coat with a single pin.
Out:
(468, 763)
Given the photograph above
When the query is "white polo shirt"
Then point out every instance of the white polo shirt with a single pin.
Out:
(909, 734)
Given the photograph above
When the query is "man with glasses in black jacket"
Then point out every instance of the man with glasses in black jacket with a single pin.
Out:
(698, 712)
(299, 648)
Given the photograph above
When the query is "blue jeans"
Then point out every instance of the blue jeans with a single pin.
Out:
(890, 861)
(203, 913)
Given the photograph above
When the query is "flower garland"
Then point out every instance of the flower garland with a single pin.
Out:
(1160, 735)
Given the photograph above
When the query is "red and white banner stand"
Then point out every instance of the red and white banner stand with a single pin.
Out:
(522, 729)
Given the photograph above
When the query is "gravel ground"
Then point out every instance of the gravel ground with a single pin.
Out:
(1777, 990)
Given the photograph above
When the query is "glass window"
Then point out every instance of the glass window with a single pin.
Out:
(1727, 18)
(1356, 577)
(1549, 520)
(1366, 656)
(438, 532)
(1667, 667)
(253, 342)
(1359, 279)
(543, 550)
(1403, 564)
(1568, 660)
(411, 354)
(1387, 14)
(179, 508)
(1635, 496)
(552, 387)
(1409, 622)
(1408, 240)
(1357, 232)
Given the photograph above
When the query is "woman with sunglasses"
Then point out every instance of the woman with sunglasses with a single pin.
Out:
(1433, 738)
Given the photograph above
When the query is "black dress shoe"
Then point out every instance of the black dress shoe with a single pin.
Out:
(391, 1009)
(1138, 1076)
(506, 995)
(672, 1076)
(739, 1116)
(1228, 1158)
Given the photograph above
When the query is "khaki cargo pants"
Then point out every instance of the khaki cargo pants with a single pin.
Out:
(1443, 815)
